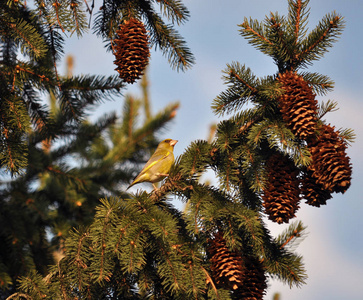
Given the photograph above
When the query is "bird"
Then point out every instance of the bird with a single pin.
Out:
(159, 164)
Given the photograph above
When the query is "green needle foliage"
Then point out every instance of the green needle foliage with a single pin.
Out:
(266, 159)
(64, 180)
(32, 38)
(162, 36)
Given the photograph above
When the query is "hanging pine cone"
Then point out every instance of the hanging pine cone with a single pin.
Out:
(244, 275)
(330, 165)
(227, 266)
(298, 105)
(313, 192)
(281, 195)
(131, 50)
(254, 282)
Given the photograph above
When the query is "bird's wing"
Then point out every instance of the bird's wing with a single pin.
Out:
(156, 158)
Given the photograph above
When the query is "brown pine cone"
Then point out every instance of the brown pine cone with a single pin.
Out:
(298, 105)
(281, 195)
(131, 50)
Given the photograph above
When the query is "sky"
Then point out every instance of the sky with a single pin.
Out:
(332, 250)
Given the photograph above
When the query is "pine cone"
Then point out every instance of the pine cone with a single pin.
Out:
(313, 192)
(298, 105)
(330, 165)
(281, 195)
(227, 266)
(254, 282)
(131, 50)
(242, 274)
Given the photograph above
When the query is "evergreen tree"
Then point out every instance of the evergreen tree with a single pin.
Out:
(266, 158)
(55, 164)
(37, 31)
(64, 181)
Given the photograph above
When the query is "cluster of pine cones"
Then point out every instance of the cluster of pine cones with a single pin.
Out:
(131, 50)
(329, 171)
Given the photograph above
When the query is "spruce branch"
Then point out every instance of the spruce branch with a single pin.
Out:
(27, 69)
(166, 37)
(282, 52)
(55, 42)
(348, 135)
(19, 296)
(79, 18)
(77, 257)
(34, 286)
(195, 158)
(66, 176)
(292, 236)
(321, 84)
(255, 33)
(175, 183)
(13, 151)
(156, 123)
(131, 109)
(175, 11)
(297, 17)
(31, 41)
(326, 107)
(289, 269)
(78, 93)
(171, 44)
(211, 282)
(317, 43)
(161, 34)
(242, 88)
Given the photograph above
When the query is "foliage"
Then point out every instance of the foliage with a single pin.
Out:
(32, 39)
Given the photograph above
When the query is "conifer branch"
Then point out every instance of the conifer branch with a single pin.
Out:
(294, 235)
(291, 236)
(61, 282)
(211, 282)
(80, 182)
(103, 245)
(28, 33)
(255, 33)
(321, 84)
(81, 265)
(172, 270)
(348, 135)
(298, 13)
(19, 68)
(175, 10)
(56, 5)
(298, 9)
(320, 39)
(243, 87)
(235, 75)
(276, 25)
(18, 296)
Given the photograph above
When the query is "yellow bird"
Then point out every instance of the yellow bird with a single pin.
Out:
(159, 164)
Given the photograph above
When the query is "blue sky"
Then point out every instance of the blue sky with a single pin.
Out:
(332, 250)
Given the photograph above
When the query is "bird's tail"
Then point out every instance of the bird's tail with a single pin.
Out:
(133, 183)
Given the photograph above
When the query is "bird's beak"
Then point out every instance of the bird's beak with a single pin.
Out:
(173, 142)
